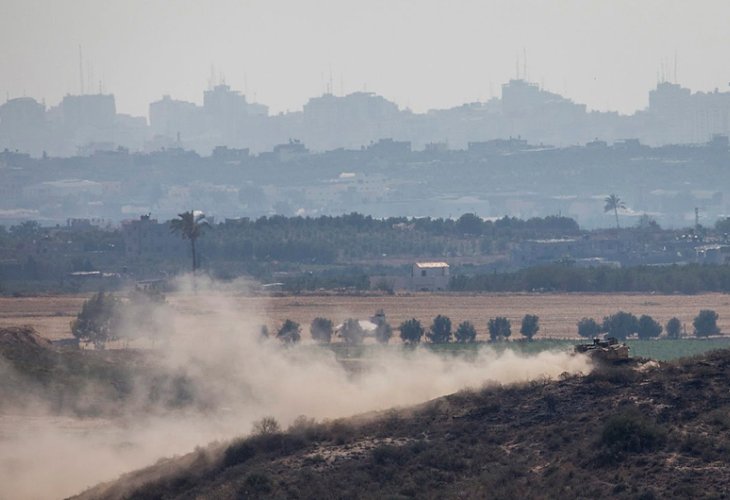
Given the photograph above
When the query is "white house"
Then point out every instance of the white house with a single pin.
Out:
(430, 276)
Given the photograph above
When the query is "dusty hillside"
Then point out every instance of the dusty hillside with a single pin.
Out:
(78, 382)
(661, 431)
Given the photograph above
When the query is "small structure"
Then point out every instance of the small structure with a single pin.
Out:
(430, 276)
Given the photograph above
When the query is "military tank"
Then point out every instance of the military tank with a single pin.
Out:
(608, 350)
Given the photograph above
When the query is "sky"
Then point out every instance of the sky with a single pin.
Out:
(422, 54)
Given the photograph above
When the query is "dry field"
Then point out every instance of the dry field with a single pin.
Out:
(558, 312)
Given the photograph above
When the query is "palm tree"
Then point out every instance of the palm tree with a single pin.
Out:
(613, 202)
(190, 225)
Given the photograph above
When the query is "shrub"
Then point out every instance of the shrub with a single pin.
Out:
(705, 323)
(255, 484)
(499, 328)
(267, 425)
(383, 330)
(630, 432)
(674, 328)
(238, 453)
(440, 331)
(620, 325)
(321, 330)
(530, 326)
(98, 320)
(386, 454)
(587, 327)
(411, 331)
(465, 333)
(290, 332)
(351, 332)
(648, 327)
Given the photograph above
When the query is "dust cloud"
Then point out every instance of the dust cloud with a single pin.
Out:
(236, 378)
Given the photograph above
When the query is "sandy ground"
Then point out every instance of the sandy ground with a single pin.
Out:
(558, 313)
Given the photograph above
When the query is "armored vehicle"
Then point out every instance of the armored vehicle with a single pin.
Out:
(608, 350)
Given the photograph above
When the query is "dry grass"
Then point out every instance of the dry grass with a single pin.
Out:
(558, 312)
(50, 316)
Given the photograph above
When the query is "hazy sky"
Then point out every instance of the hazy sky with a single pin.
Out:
(421, 54)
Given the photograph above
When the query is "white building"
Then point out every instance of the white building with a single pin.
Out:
(430, 276)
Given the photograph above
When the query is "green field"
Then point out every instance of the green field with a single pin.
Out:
(661, 349)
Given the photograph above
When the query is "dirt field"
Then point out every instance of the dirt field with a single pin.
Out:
(558, 313)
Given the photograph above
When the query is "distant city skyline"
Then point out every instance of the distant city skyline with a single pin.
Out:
(422, 55)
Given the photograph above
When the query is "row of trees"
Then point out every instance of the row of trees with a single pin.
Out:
(623, 325)
(691, 278)
(620, 325)
(411, 331)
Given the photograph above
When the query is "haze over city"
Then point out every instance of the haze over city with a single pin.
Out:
(373, 249)
(422, 55)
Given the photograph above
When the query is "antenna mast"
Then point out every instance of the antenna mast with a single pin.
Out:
(524, 63)
(81, 72)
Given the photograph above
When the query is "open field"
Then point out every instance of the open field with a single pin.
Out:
(558, 312)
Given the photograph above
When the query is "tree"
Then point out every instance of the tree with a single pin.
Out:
(411, 331)
(705, 323)
(648, 327)
(587, 327)
(499, 328)
(290, 332)
(530, 326)
(673, 328)
(469, 224)
(98, 321)
(614, 203)
(465, 333)
(266, 426)
(383, 330)
(440, 331)
(620, 325)
(352, 332)
(190, 225)
(321, 330)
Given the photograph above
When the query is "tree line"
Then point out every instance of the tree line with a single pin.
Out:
(688, 279)
(411, 331)
(104, 317)
(622, 325)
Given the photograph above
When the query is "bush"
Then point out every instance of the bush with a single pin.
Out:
(411, 331)
(648, 327)
(530, 326)
(705, 323)
(321, 330)
(620, 325)
(99, 320)
(499, 328)
(630, 432)
(238, 453)
(440, 331)
(255, 485)
(674, 328)
(383, 330)
(465, 333)
(587, 327)
(267, 425)
(290, 332)
(351, 332)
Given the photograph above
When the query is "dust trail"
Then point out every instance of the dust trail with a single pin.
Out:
(240, 378)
